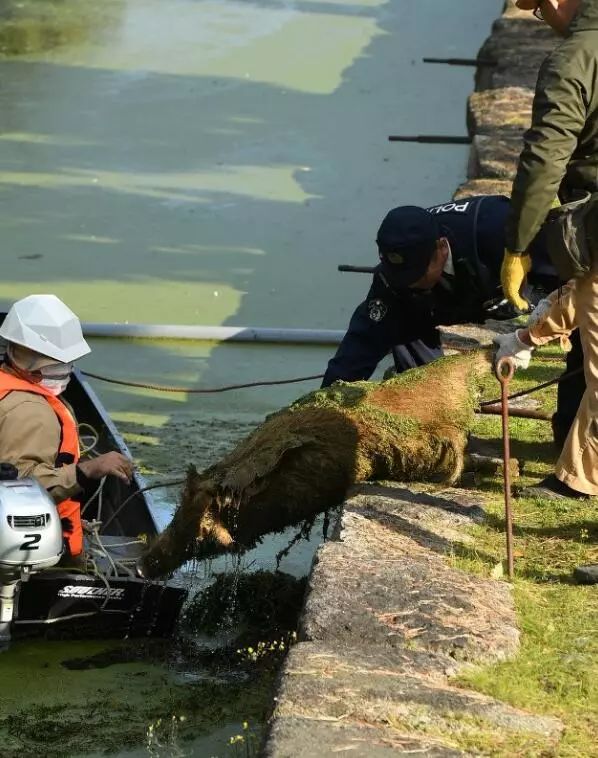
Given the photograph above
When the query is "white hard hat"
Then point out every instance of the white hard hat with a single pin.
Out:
(43, 323)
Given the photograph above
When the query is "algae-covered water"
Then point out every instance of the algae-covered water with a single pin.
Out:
(204, 162)
(62, 699)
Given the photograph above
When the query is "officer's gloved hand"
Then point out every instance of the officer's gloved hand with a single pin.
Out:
(515, 267)
(511, 346)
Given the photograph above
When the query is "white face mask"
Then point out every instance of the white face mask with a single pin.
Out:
(55, 378)
(55, 386)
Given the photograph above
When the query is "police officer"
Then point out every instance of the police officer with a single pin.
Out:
(437, 266)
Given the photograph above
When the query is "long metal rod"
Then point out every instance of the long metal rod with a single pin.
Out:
(523, 393)
(496, 410)
(357, 269)
(477, 62)
(431, 139)
(505, 369)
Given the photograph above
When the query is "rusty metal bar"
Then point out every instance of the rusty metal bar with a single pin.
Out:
(496, 410)
(431, 139)
(477, 62)
(357, 269)
(505, 369)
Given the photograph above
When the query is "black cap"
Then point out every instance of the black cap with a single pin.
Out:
(406, 242)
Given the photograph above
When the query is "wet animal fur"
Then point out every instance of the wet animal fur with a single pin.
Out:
(303, 459)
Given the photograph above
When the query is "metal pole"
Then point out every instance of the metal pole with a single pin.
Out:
(256, 334)
(357, 269)
(505, 369)
(477, 62)
(431, 139)
(496, 410)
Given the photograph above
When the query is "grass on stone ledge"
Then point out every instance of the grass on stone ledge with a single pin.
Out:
(556, 670)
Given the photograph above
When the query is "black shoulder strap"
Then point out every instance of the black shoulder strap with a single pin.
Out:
(480, 271)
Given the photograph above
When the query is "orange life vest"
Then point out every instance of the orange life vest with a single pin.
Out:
(69, 444)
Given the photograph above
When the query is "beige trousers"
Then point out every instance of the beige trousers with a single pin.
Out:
(577, 465)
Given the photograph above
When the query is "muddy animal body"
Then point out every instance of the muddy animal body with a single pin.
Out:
(303, 459)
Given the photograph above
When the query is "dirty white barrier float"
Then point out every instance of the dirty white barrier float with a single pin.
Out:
(214, 333)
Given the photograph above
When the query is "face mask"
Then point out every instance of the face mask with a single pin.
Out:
(55, 378)
(55, 386)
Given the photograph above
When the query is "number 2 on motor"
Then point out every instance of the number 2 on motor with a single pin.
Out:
(31, 541)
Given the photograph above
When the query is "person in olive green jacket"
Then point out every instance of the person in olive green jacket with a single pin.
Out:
(560, 154)
(559, 158)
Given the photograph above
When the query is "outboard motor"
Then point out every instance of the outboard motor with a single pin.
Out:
(30, 538)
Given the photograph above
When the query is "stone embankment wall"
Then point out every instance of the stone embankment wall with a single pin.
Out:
(386, 620)
(499, 110)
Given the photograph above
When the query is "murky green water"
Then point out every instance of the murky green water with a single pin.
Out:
(99, 698)
(180, 161)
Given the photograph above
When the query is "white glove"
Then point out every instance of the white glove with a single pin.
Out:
(510, 346)
(540, 310)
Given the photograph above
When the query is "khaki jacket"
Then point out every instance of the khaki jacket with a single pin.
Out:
(577, 307)
(30, 440)
(561, 318)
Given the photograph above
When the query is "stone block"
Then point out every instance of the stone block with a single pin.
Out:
(518, 44)
(502, 112)
(494, 157)
(386, 622)
(492, 186)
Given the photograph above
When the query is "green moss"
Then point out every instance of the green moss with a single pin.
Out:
(354, 396)
(339, 395)
(440, 367)
(389, 424)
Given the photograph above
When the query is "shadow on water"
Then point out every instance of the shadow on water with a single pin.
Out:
(213, 174)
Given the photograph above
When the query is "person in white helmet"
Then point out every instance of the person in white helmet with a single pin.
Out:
(38, 432)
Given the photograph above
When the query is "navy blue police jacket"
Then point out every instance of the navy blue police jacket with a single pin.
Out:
(475, 229)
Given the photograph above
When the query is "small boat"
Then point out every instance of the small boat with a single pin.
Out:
(107, 598)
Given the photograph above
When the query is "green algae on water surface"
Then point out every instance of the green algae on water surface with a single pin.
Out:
(34, 26)
(47, 709)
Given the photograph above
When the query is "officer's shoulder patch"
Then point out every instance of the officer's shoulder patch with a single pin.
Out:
(377, 309)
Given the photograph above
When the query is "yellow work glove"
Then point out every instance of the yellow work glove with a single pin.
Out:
(514, 269)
